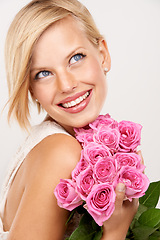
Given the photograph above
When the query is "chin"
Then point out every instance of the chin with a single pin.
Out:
(86, 121)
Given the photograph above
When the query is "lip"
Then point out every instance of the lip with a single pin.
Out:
(79, 107)
(72, 98)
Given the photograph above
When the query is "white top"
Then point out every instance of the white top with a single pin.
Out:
(38, 133)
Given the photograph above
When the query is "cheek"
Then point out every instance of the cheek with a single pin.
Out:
(93, 72)
(100, 82)
(44, 94)
(97, 77)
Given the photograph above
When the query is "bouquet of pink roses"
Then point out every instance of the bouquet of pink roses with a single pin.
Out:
(109, 156)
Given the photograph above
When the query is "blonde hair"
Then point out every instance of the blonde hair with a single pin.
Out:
(26, 28)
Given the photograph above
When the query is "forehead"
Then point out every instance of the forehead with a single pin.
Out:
(61, 38)
(66, 29)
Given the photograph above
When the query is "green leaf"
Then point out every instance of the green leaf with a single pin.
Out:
(141, 209)
(70, 216)
(142, 232)
(155, 236)
(86, 219)
(151, 197)
(82, 233)
(98, 235)
(87, 229)
(132, 225)
(80, 209)
(95, 226)
(129, 233)
(150, 218)
(158, 226)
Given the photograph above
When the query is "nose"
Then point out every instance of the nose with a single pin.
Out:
(66, 82)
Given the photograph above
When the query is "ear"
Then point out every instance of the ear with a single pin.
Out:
(104, 53)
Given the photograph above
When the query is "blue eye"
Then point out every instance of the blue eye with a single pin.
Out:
(42, 74)
(76, 58)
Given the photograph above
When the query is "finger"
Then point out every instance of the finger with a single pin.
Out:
(136, 201)
(132, 206)
(140, 154)
(142, 160)
(120, 195)
(133, 203)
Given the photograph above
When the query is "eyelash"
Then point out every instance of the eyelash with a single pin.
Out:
(36, 76)
(81, 54)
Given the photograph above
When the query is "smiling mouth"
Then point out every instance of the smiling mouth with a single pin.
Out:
(75, 102)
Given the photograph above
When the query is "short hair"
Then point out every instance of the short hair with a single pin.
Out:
(26, 28)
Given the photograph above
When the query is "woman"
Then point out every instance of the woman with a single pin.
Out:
(56, 55)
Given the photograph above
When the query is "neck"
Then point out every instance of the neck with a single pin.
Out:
(67, 128)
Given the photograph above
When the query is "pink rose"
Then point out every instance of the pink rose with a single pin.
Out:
(84, 135)
(105, 170)
(129, 159)
(109, 137)
(95, 151)
(100, 202)
(66, 195)
(81, 165)
(130, 136)
(85, 138)
(104, 120)
(85, 182)
(135, 181)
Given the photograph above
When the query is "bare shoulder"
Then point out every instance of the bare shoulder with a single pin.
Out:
(52, 159)
(58, 154)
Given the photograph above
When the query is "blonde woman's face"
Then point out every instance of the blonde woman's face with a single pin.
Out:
(67, 74)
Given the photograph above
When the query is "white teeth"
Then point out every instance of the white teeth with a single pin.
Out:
(75, 102)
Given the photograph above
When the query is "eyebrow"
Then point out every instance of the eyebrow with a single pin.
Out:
(36, 68)
(75, 50)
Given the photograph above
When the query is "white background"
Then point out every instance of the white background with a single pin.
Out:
(132, 30)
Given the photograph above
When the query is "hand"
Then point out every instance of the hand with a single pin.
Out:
(140, 154)
(116, 227)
